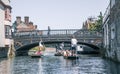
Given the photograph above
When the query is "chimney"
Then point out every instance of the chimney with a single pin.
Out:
(26, 20)
(18, 20)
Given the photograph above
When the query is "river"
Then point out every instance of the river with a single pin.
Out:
(50, 64)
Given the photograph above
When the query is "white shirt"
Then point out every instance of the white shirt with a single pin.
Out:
(74, 41)
(40, 43)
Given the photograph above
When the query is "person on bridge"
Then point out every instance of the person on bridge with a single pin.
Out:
(48, 31)
(73, 44)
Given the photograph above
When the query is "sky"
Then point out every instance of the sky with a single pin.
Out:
(58, 14)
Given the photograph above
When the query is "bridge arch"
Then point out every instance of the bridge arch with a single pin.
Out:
(24, 49)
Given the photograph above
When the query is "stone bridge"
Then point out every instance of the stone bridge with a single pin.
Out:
(26, 40)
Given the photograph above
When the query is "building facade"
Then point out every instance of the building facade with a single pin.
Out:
(111, 29)
(88, 23)
(5, 27)
(25, 25)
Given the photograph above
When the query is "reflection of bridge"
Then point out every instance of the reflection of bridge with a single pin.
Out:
(26, 40)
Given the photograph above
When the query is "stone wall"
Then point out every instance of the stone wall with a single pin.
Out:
(113, 52)
(3, 52)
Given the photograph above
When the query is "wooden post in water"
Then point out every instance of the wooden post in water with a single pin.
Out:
(11, 51)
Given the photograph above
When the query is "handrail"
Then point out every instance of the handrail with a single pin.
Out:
(45, 32)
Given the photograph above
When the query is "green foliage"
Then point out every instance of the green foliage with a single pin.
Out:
(92, 26)
(97, 26)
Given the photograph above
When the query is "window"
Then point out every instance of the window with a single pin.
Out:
(7, 14)
(112, 31)
(7, 31)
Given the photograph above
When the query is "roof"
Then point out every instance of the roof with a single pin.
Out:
(8, 6)
(22, 25)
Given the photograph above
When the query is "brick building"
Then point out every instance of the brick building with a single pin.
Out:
(89, 22)
(25, 25)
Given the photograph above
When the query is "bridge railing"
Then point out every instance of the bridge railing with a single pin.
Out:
(59, 33)
(45, 32)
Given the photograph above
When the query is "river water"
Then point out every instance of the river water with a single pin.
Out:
(50, 64)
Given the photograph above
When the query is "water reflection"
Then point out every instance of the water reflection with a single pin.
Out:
(26, 65)
(6, 66)
(50, 64)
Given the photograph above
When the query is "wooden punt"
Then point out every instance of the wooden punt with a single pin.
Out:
(58, 54)
(36, 56)
(71, 57)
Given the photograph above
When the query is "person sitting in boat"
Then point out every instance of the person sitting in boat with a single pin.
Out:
(73, 45)
(38, 52)
(64, 53)
(68, 53)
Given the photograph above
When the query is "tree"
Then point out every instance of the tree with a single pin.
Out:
(99, 23)
(97, 26)
(92, 26)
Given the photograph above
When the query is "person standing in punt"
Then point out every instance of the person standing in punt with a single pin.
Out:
(73, 44)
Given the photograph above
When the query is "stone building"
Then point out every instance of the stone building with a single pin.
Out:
(5, 27)
(89, 22)
(25, 25)
(111, 29)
